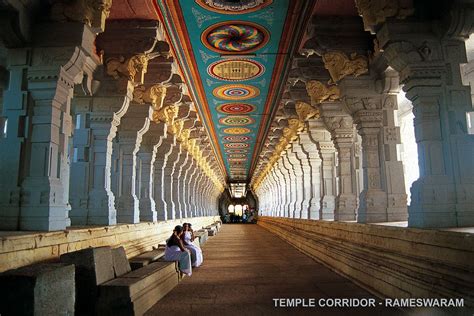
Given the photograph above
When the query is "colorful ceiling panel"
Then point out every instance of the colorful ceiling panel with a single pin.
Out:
(234, 55)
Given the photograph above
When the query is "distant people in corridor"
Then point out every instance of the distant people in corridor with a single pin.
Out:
(176, 251)
(192, 244)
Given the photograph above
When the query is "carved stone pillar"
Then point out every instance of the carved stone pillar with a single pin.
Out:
(429, 68)
(311, 164)
(152, 140)
(185, 186)
(306, 177)
(321, 150)
(298, 180)
(290, 184)
(373, 114)
(283, 184)
(342, 131)
(276, 194)
(134, 125)
(55, 66)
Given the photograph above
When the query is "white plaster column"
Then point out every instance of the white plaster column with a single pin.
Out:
(306, 175)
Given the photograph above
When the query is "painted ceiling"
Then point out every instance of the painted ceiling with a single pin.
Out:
(234, 59)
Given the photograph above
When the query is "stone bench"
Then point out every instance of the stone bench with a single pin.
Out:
(39, 289)
(211, 230)
(146, 258)
(136, 292)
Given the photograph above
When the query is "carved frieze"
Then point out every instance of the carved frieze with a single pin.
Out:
(340, 65)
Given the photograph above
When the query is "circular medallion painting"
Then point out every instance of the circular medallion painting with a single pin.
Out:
(235, 37)
(233, 7)
(236, 145)
(236, 130)
(235, 108)
(235, 69)
(236, 120)
(236, 92)
(236, 138)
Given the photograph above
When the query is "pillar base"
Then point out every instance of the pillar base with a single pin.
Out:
(127, 210)
(433, 204)
(346, 206)
(372, 207)
(328, 205)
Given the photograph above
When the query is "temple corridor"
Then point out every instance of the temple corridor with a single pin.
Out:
(246, 267)
(313, 148)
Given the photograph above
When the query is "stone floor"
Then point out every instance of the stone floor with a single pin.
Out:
(245, 267)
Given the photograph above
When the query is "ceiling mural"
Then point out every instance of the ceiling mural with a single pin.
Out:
(234, 55)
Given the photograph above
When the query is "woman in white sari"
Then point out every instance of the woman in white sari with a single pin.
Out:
(193, 245)
(175, 251)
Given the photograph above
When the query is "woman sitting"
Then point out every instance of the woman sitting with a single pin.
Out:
(175, 251)
(192, 245)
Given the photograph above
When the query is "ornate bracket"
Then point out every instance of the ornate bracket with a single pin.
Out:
(340, 65)
(320, 92)
(155, 95)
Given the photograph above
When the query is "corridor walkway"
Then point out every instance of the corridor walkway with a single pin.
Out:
(245, 267)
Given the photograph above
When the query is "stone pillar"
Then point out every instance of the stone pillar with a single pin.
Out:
(284, 190)
(429, 69)
(152, 140)
(160, 161)
(373, 114)
(185, 186)
(298, 180)
(321, 150)
(185, 161)
(305, 175)
(134, 125)
(190, 191)
(311, 176)
(45, 187)
(290, 185)
(342, 131)
(14, 114)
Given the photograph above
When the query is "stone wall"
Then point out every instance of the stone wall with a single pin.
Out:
(21, 248)
(388, 261)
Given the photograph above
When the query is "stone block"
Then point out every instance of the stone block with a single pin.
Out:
(39, 289)
(146, 258)
(121, 264)
(135, 292)
(202, 235)
(94, 266)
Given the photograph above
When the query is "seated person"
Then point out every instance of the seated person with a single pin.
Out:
(175, 251)
(188, 241)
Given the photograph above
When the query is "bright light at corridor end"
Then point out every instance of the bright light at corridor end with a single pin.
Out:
(238, 190)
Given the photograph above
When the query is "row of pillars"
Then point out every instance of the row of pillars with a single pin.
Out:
(81, 147)
(428, 66)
